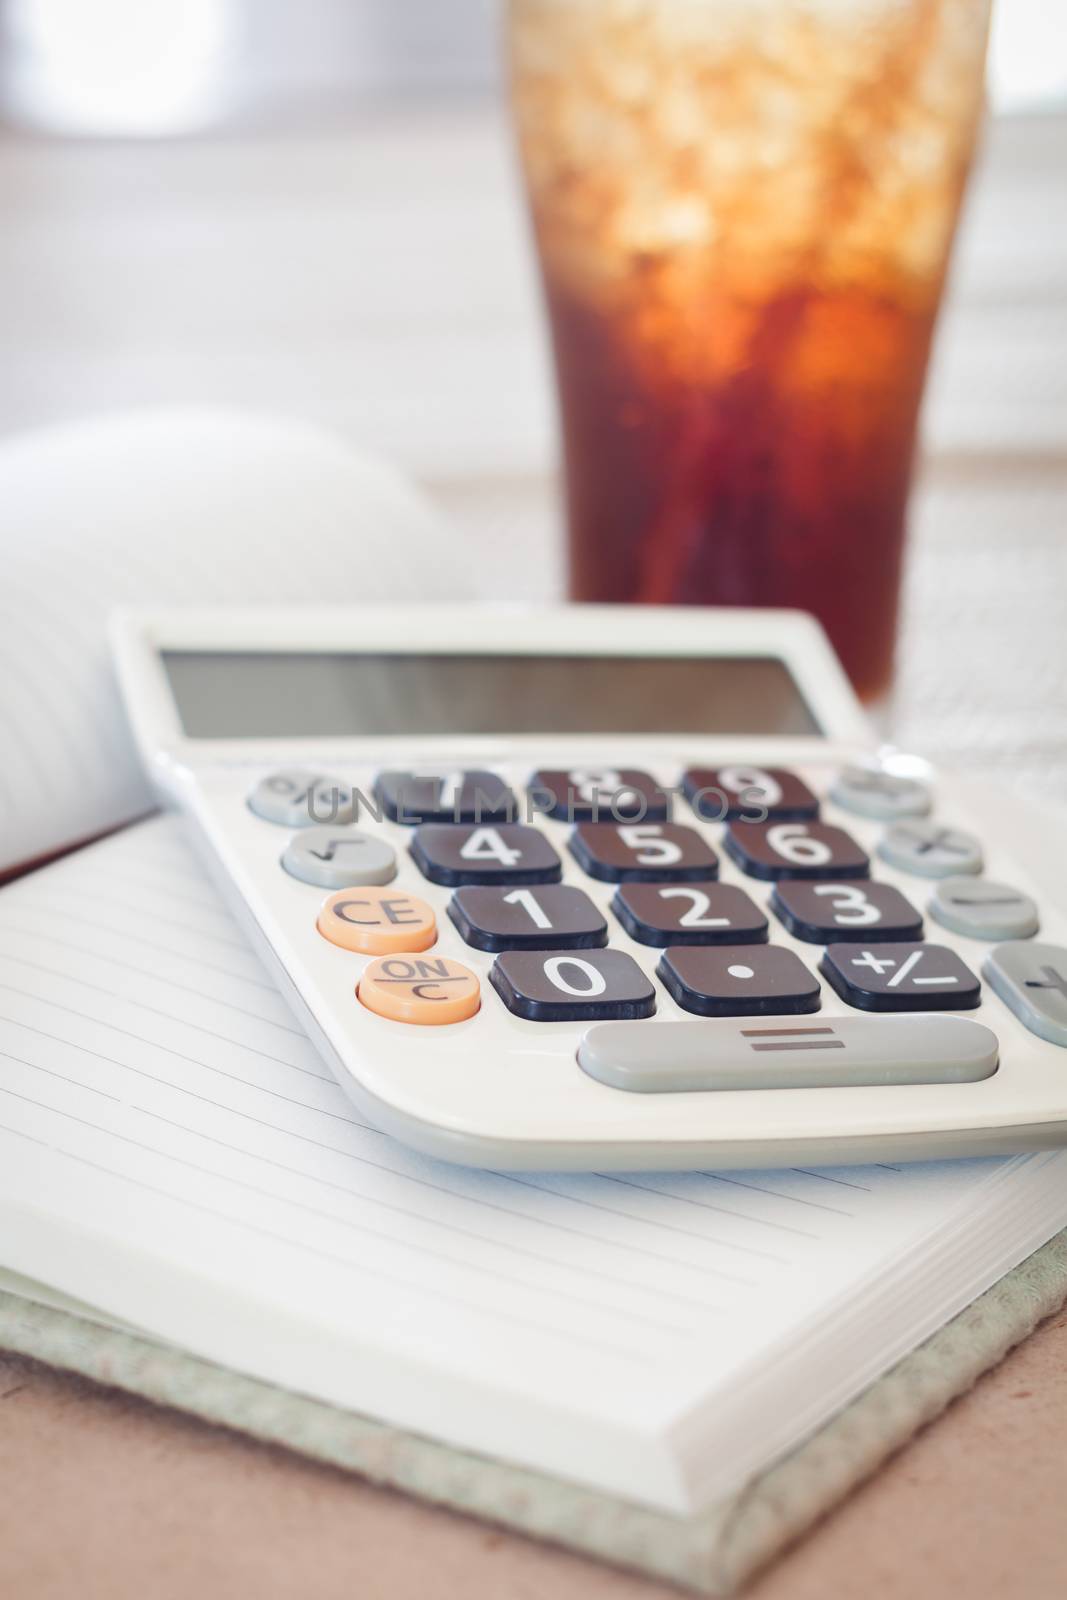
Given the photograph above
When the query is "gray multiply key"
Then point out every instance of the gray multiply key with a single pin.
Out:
(930, 850)
(983, 910)
(1031, 979)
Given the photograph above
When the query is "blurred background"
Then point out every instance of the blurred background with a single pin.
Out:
(314, 209)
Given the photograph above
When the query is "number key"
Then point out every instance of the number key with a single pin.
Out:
(824, 912)
(725, 794)
(596, 986)
(511, 853)
(550, 917)
(642, 852)
(689, 913)
(795, 850)
(594, 794)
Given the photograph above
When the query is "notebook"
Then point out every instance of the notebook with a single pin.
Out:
(177, 1165)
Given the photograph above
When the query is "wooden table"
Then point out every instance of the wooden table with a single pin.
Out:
(375, 276)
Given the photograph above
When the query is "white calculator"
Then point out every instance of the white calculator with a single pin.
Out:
(598, 888)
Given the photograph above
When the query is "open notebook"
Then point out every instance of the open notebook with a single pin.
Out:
(175, 1156)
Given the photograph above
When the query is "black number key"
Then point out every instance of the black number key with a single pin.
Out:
(595, 986)
(825, 912)
(599, 794)
(795, 850)
(510, 853)
(689, 913)
(901, 977)
(552, 916)
(410, 797)
(725, 794)
(742, 981)
(642, 852)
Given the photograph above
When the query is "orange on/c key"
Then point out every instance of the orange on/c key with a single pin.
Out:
(422, 989)
(377, 922)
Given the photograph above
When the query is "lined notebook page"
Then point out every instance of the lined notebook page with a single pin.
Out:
(175, 1152)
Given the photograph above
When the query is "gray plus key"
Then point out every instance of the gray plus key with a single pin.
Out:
(335, 858)
(1032, 980)
(983, 910)
(930, 850)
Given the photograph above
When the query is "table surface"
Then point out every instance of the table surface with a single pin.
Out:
(375, 276)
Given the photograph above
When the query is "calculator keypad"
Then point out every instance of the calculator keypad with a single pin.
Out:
(599, 794)
(772, 850)
(551, 916)
(741, 981)
(642, 852)
(477, 796)
(509, 853)
(727, 794)
(901, 977)
(594, 986)
(689, 913)
(333, 858)
(822, 913)
(550, 939)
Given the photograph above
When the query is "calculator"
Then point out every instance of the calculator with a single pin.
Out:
(598, 888)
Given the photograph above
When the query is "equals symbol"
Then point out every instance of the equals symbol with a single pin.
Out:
(793, 1038)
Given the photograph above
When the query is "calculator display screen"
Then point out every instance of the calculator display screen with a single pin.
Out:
(258, 694)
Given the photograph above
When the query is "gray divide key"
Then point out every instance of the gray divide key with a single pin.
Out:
(334, 858)
(771, 1053)
(983, 910)
(930, 850)
(866, 792)
(1032, 980)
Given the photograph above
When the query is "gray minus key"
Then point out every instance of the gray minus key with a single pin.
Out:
(781, 1053)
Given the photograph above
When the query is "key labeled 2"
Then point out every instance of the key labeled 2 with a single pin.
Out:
(642, 852)
(772, 850)
(595, 986)
(822, 913)
(901, 977)
(508, 853)
(689, 913)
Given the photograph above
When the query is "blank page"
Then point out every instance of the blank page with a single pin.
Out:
(174, 1151)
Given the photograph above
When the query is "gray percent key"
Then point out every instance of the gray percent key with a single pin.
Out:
(336, 858)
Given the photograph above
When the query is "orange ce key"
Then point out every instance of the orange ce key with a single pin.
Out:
(423, 989)
(377, 922)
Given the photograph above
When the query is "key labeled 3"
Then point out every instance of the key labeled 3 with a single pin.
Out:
(824, 912)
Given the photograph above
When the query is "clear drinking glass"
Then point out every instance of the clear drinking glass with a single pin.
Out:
(744, 211)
